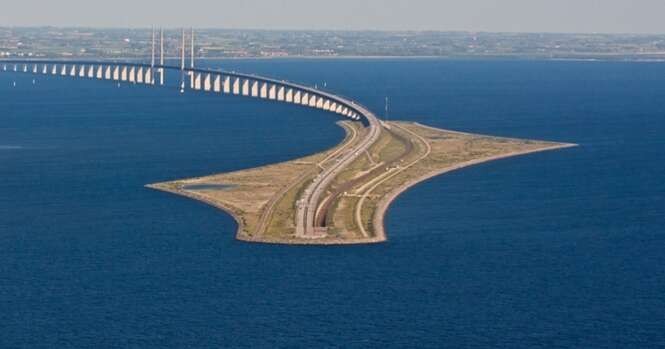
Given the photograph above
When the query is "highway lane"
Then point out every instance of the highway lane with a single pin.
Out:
(307, 206)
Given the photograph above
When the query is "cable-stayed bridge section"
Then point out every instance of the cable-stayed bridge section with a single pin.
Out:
(227, 83)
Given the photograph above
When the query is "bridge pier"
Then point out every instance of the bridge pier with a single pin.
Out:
(140, 74)
(217, 86)
(245, 87)
(206, 83)
(289, 96)
(132, 75)
(236, 86)
(280, 94)
(264, 90)
(197, 82)
(227, 84)
(255, 88)
(148, 76)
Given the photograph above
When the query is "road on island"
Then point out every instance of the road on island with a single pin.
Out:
(326, 207)
(390, 175)
(307, 206)
(262, 226)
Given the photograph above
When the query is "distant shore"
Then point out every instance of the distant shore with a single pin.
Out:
(647, 58)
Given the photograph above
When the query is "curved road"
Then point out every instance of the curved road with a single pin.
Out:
(307, 206)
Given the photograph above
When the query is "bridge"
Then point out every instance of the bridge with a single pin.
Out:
(225, 83)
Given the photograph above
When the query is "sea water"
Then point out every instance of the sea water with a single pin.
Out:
(557, 249)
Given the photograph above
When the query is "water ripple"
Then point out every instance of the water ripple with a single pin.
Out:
(10, 147)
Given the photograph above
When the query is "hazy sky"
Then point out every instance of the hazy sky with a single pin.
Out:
(623, 16)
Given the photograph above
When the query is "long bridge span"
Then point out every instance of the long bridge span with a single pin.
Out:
(227, 83)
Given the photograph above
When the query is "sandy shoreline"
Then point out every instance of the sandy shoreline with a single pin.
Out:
(384, 204)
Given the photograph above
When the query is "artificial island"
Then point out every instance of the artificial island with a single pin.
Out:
(267, 201)
(339, 196)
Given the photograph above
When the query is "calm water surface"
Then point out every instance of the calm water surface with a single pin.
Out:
(561, 249)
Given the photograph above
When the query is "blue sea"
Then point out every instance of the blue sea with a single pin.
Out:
(562, 249)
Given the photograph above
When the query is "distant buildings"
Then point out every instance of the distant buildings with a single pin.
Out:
(216, 43)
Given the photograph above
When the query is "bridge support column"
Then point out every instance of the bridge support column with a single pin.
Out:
(245, 87)
(217, 86)
(264, 90)
(227, 84)
(289, 96)
(197, 81)
(255, 88)
(149, 76)
(206, 83)
(140, 75)
(305, 99)
(236, 86)
(272, 92)
(280, 94)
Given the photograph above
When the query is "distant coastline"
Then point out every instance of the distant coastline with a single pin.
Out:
(618, 58)
(134, 43)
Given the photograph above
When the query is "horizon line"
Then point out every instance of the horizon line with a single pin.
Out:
(466, 31)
